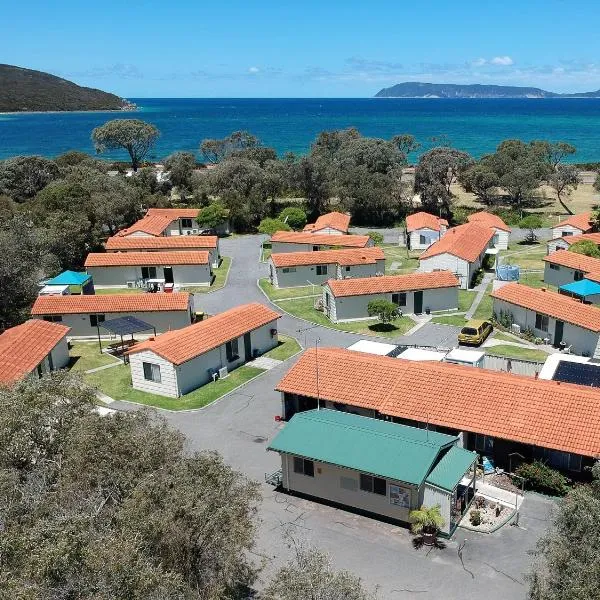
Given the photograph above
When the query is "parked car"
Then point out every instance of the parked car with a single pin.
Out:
(207, 232)
(475, 332)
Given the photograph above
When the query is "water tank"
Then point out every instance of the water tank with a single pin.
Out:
(507, 273)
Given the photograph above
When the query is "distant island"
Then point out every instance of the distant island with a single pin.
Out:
(416, 89)
(25, 90)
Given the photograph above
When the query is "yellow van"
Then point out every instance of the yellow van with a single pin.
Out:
(475, 332)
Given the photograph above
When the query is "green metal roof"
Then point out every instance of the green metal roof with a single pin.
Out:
(451, 469)
(369, 445)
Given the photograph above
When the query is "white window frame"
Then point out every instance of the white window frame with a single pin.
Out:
(544, 320)
(151, 372)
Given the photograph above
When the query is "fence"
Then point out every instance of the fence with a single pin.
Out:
(517, 366)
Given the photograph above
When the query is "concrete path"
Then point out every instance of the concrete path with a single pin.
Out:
(264, 362)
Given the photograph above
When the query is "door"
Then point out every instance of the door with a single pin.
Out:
(248, 346)
(418, 303)
(168, 274)
(558, 332)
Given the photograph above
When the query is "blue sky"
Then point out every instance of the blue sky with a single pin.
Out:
(327, 48)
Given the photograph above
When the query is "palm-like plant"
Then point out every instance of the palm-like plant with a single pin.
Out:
(426, 520)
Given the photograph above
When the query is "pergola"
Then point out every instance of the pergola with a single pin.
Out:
(122, 326)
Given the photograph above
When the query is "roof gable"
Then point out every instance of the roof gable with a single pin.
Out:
(580, 221)
(334, 220)
(489, 220)
(424, 220)
(316, 239)
(466, 241)
(345, 257)
(573, 260)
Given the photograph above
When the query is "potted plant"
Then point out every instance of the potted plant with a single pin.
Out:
(427, 521)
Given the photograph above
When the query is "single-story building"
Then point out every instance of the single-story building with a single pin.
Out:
(494, 413)
(33, 348)
(188, 243)
(461, 251)
(293, 269)
(573, 225)
(145, 269)
(77, 283)
(564, 243)
(301, 241)
(500, 228)
(564, 267)
(560, 320)
(333, 223)
(180, 361)
(378, 468)
(348, 299)
(164, 222)
(423, 229)
(83, 313)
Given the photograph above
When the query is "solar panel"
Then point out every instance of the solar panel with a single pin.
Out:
(126, 325)
(579, 373)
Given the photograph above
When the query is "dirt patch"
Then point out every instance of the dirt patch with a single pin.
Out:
(486, 515)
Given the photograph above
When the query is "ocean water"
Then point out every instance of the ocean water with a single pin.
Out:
(476, 126)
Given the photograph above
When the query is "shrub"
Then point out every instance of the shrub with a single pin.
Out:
(542, 478)
(477, 277)
(384, 310)
(376, 237)
(271, 226)
(488, 262)
(295, 217)
(475, 517)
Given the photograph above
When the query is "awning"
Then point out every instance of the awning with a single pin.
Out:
(126, 325)
(583, 288)
(449, 472)
(70, 278)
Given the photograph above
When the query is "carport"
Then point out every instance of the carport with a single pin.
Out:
(123, 326)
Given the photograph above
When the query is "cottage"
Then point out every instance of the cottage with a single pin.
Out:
(461, 251)
(76, 283)
(573, 225)
(82, 314)
(147, 269)
(374, 467)
(301, 241)
(187, 243)
(290, 269)
(500, 228)
(181, 361)
(33, 348)
(564, 243)
(348, 299)
(563, 267)
(333, 223)
(423, 229)
(560, 320)
(494, 413)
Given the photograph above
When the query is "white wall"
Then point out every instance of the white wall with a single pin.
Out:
(117, 277)
(565, 230)
(60, 354)
(168, 385)
(277, 247)
(329, 231)
(554, 245)
(213, 253)
(559, 275)
(447, 262)
(431, 236)
(432, 496)
(500, 239)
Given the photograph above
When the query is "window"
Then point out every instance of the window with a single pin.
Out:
(374, 485)
(541, 322)
(315, 248)
(578, 275)
(186, 223)
(321, 269)
(554, 267)
(95, 320)
(484, 443)
(148, 272)
(566, 233)
(53, 318)
(231, 349)
(423, 240)
(304, 467)
(399, 299)
(289, 269)
(347, 269)
(151, 372)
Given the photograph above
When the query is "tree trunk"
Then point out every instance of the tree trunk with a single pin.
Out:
(567, 209)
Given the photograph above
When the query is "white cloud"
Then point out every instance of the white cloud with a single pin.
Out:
(504, 61)
(253, 70)
(479, 62)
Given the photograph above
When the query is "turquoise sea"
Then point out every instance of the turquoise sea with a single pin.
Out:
(292, 124)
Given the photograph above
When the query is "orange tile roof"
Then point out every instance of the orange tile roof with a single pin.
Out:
(423, 220)
(466, 241)
(170, 242)
(22, 348)
(573, 260)
(174, 213)
(335, 220)
(150, 224)
(572, 239)
(181, 345)
(392, 283)
(552, 304)
(544, 413)
(110, 303)
(581, 221)
(346, 257)
(118, 259)
(488, 219)
(302, 237)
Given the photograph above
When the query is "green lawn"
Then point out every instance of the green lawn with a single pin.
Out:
(219, 281)
(517, 352)
(394, 253)
(288, 346)
(265, 251)
(116, 383)
(86, 355)
(304, 309)
(485, 308)
(526, 256)
(125, 290)
(498, 335)
(456, 320)
(536, 280)
(275, 294)
(465, 299)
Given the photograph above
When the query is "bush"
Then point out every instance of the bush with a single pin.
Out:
(376, 237)
(295, 217)
(460, 215)
(477, 277)
(475, 517)
(542, 478)
(271, 226)
(488, 262)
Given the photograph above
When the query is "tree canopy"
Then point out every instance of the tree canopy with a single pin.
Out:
(586, 247)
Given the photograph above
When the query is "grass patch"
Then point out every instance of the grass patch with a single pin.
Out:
(116, 383)
(288, 346)
(498, 335)
(536, 280)
(86, 356)
(517, 352)
(465, 299)
(456, 320)
(219, 281)
(394, 253)
(265, 252)
(527, 256)
(304, 309)
(486, 306)
(125, 290)
(275, 294)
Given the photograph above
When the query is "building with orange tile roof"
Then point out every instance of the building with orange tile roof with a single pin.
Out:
(348, 299)
(461, 251)
(83, 313)
(302, 241)
(332, 223)
(564, 267)
(144, 269)
(555, 317)
(500, 228)
(180, 361)
(564, 243)
(423, 229)
(33, 348)
(573, 225)
(496, 413)
(293, 269)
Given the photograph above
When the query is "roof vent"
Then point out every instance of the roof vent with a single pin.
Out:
(544, 289)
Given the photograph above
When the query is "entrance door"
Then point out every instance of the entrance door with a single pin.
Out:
(418, 303)
(248, 346)
(168, 274)
(558, 332)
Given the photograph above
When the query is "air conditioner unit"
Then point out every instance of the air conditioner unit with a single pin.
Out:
(515, 328)
(194, 231)
(131, 284)
(223, 372)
